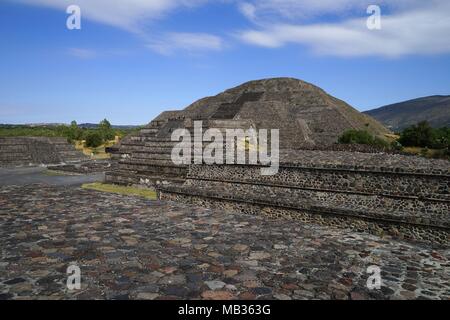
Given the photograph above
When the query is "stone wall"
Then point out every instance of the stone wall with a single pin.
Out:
(370, 182)
(24, 151)
(413, 204)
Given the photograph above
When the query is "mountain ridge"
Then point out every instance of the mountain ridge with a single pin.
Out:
(397, 116)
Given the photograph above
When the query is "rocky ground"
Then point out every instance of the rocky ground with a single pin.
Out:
(132, 248)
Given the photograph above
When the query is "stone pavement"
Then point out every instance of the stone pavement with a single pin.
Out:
(34, 175)
(133, 248)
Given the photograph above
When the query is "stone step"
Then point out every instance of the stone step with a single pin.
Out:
(127, 178)
(152, 168)
(160, 144)
(65, 147)
(13, 148)
(149, 131)
(12, 156)
(150, 162)
(333, 179)
(146, 150)
(15, 163)
(151, 156)
(142, 139)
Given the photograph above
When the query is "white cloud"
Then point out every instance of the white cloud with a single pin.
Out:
(191, 42)
(129, 14)
(410, 31)
(248, 10)
(134, 16)
(306, 9)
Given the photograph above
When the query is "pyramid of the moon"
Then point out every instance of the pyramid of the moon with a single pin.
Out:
(305, 115)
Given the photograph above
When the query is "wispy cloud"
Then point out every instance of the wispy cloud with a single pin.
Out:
(191, 42)
(135, 16)
(129, 15)
(308, 9)
(411, 30)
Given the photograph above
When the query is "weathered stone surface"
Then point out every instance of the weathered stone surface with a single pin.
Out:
(82, 227)
(217, 295)
(215, 285)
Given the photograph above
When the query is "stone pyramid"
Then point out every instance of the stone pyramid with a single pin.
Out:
(305, 115)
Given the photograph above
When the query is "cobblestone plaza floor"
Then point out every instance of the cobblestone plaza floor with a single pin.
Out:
(132, 248)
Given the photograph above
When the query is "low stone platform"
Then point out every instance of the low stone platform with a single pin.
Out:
(26, 151)
(132, 248)
(407, 197)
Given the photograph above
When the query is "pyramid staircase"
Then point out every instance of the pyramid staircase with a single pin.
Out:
(145, 160)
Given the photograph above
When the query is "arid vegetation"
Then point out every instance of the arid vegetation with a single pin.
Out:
(72, 132)
(420, 139)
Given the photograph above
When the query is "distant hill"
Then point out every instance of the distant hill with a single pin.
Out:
(434, 109)
(120, 127)
(82, 125)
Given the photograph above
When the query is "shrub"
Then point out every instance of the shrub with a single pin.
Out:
(353, 136)
(420, 135)
(94, 139)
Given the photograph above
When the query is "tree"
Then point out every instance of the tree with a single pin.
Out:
(74, 132)
(420, 135)
(93, 139)
(104, 125)
(106, 130)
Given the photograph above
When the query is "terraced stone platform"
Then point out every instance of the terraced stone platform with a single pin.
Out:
(403, 196)
(144, 159)
(132, 248)
(24, 151)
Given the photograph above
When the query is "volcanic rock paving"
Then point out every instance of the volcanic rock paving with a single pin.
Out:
(132, 248)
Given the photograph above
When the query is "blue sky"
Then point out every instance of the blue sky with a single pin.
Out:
(133, 59)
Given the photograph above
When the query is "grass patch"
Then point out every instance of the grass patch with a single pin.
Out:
(128, 191)
(95, 153)
(50, 172)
